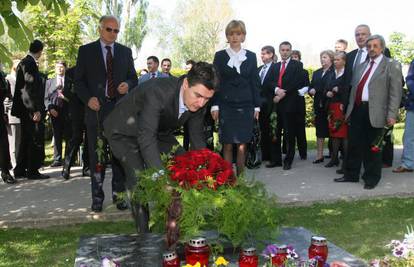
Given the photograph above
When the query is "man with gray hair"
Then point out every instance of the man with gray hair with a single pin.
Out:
(104, 74)
(373, 104)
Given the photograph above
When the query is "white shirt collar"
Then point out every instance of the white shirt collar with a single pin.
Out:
(236, 58)
(181, 106)
(339, 73)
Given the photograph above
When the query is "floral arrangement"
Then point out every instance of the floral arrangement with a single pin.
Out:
(273, 126)
(402, 252)
(220, 261)
(197, 191)
(378, 143)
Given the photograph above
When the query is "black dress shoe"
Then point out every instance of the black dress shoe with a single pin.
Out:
(56, 164)
(7, 178)
(344, 179)
(37, 176)
(369, 187)
(273, 164)
(316, 161)
(332, 163)
(65, 174)
(120, 203)
(96, 207)
(287, 166)
(19, 174)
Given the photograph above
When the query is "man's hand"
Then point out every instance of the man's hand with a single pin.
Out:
(123, 88)
(335, 89)
(281, 92)
(312, 91)
(93, 104)
(329, 94)
(391, 122)
(215, 115)
(36, 116)
(276, 99)
(256, 114)
(53, 112)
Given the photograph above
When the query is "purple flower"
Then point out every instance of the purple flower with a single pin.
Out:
(270, 250)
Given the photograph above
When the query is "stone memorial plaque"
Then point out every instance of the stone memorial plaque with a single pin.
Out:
(145, 250)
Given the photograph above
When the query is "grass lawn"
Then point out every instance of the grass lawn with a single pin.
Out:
(361, 227)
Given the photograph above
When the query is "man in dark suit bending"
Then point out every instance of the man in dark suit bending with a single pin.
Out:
(142, 125)
(104, 74)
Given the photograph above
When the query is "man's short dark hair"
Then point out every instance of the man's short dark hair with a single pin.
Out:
(154, 58)
(165, 59)
(285, 43)
(269, 49)
(36, 46)
(203, 73)
(190, 61)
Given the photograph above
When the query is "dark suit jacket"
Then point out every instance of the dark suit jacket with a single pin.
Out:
(147, 117)
(90, 74)
(29, 93)
(267, 90)
(51, 94)
(342, 95)
(320, 84)
(237, 90)
(292, 81)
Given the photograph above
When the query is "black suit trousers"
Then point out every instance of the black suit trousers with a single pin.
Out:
(61, 131)
(32, 146)
(4, 147)
(264, 122)
(361, 137)
(289, 125)
(97, 179)
(388, 150)
(78, 136)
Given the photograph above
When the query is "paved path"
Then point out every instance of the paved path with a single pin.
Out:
(55, 201)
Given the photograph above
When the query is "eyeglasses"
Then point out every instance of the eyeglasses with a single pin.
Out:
(108, 29)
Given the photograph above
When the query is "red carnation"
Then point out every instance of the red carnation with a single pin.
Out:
(375, 149)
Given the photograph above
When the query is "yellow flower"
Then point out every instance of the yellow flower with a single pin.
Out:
(195, 265)
(221, 261)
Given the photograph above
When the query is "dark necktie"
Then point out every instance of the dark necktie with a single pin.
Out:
(361, 84)
(282, 71)
(262, 74)
(153, 75)
(111, 92)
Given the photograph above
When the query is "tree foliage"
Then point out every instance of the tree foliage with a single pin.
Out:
(135, 26)
(401, 49)
(62, 34)
(197, 32)
(16, 29)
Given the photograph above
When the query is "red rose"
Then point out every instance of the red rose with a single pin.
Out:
(375, 149)
(224, 176)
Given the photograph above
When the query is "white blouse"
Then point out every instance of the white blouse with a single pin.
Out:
(236, 58)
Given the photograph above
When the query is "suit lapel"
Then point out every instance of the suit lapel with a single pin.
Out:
(380, 69)
(116, 60)
(269, 71)
(99, 56)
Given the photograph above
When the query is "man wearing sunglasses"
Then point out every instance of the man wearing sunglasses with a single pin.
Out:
(104, 74)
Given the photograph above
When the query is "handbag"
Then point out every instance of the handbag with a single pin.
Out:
(254, 152)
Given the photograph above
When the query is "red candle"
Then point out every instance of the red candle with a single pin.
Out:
(248, 258)
(197, 250)
(318, 249)
(279, 259)
(170, 259)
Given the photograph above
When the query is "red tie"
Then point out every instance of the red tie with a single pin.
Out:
(111, 92)
(282, 71)
(361, 84)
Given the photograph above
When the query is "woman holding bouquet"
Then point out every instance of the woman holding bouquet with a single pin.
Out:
(337, 94)
(237, 103)
(317, 89)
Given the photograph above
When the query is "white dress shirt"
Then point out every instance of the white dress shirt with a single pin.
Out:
(363, 56)
(365, 90)
(181, 106)
(263, 71)
(236, 58)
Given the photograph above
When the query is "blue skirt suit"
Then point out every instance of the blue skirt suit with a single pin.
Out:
(237, 96)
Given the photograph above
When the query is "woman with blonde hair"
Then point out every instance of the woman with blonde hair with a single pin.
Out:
(317, 89)
(236, 104)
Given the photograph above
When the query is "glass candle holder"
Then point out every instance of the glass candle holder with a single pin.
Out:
(248, 258)
(170, 259)
(197, 250)
(318, 250)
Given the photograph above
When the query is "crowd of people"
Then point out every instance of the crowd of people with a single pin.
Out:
(128, 121)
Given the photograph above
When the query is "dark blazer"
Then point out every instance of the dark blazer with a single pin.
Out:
(267, 90)
(237, 90)
(342, 95)
(90, 73)
(320, 84)
(292, 81)
(29, 93)
(147, 117)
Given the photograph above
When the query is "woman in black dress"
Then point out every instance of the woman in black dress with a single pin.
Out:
(237, 102)
(317, 89)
